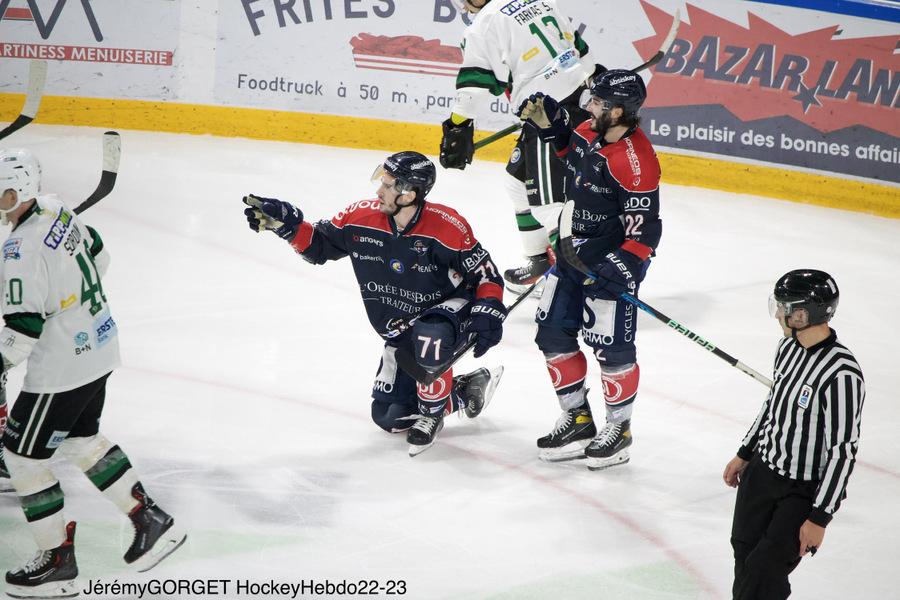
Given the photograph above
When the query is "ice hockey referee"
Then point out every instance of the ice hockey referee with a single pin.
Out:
(794, 463)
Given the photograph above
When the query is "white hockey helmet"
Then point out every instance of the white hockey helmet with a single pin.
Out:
(19, 171)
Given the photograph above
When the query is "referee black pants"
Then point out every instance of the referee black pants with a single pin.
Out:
(765, 534)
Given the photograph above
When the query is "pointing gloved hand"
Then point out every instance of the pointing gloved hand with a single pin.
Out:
(274, 215)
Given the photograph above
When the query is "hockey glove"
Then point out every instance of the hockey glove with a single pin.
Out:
(620, 272)
(486, 322)
(548, 117)
(274, 215)
(457, 144)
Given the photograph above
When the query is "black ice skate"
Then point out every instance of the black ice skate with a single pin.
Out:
(421, 435)
(573, 431)
(155, 534)
(519, 280)
(610, 447)
(477, 388)
(50, 574)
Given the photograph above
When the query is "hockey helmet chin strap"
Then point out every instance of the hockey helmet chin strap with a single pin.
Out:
(4, 212)
(782, 310)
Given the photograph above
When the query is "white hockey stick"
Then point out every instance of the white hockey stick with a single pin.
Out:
(112, 151)
(37, 78)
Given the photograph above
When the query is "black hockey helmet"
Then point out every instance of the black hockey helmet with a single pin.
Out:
(413, 171)
(620, 87)
(809, 289)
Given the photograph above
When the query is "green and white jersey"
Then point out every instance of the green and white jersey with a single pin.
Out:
(526, 46)
(55, 312)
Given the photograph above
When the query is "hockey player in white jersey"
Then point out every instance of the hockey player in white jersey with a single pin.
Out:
(520, 47)
(57, 318)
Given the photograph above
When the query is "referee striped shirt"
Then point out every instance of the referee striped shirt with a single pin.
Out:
(808, 427)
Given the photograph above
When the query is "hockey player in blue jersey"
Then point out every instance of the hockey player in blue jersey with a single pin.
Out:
(427, 285)
(614, 187)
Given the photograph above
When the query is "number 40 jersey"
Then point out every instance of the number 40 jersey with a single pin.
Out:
(55, 311)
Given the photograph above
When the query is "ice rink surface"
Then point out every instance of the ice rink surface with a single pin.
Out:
(244, 396)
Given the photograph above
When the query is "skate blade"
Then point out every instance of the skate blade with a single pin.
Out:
(6, 486)
(171, 541)
(519, 289)
(572, 451)
(495, 374)
(56, 589)
(415, 450)
(598, 464)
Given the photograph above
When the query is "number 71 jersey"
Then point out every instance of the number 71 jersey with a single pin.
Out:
(55, 310)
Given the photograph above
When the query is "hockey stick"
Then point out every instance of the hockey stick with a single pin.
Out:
(408, 363)
(112, 151)
(650, 62)
(37, 77)
(567, 248)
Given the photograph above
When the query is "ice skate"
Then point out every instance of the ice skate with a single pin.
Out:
(421, 435)
(573, 431)
(477, 388)
(155, 534)
(519, 280)
(50, 574)
(610, 447)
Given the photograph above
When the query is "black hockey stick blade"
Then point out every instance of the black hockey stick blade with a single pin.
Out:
(408, 363)
(37, 78)
(112, 151)
(667, 43)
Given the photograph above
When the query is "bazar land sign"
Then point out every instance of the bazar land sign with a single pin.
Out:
(811, 99)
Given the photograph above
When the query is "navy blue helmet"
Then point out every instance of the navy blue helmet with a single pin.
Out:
(414, 172)
(620, 87)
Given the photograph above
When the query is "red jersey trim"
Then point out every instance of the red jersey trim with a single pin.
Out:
(489, 290)
(364, 213)
(642, 251)
(632, 163)
(445, 225)
(303, 238)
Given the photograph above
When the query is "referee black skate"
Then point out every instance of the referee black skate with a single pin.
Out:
(792, 468)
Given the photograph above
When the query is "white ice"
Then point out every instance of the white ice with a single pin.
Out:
(244, 396)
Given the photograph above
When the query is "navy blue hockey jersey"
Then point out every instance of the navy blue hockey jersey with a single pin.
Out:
(402, 273)
(615, 187)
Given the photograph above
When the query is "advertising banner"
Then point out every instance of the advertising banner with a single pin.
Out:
(791, 91)
(745, 80)
(105, 48)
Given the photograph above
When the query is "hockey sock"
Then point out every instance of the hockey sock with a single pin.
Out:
(41, 498)
(567, 373)
(534, 235)
(438, 397)
(106, 466)
(620, 385)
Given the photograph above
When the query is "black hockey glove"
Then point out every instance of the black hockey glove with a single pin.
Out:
(618, 273)
(548, 117)
(457, 144)
(486, 322)
(274, 215)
